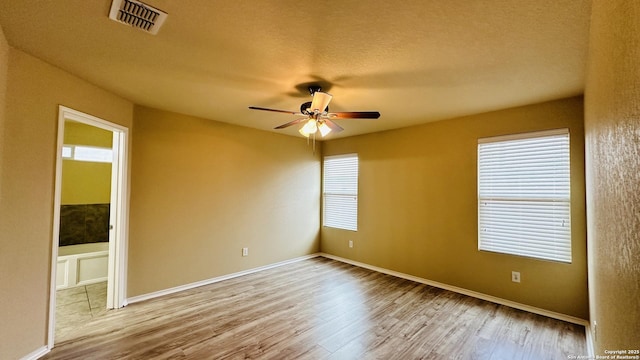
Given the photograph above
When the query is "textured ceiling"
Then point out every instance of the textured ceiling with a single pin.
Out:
(415, 61)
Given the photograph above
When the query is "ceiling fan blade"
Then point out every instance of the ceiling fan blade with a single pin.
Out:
(275, 110)
(354, 115)
(320, 101)
(333, 126)
(290, 123)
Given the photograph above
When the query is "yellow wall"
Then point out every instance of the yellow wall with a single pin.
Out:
(418, 207)
(86, 182)
(202, 190)
(612, 128)
(76, 133)
(34, 91)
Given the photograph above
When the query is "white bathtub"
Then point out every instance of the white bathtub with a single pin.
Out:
(82, 264)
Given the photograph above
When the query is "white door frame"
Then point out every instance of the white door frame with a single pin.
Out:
(116, 285)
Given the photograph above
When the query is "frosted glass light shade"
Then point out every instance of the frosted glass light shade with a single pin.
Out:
(309, 128)
(320, 101)
(303, 133)
(324, 129)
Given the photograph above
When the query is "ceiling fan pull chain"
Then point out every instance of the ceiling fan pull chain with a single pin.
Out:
(314, 143)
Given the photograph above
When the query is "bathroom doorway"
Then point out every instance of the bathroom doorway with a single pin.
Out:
(90, 212)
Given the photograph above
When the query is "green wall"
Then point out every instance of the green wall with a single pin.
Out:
(86, 182)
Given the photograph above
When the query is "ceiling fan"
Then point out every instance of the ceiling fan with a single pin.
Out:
(317, 116)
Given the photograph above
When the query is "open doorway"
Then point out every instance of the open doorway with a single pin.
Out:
(90, 212)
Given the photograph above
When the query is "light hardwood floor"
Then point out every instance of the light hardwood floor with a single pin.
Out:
(320, 309)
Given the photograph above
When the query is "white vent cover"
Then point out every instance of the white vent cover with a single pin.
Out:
(138, 15)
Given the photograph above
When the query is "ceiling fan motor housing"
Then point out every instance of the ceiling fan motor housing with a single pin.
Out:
(304, 108)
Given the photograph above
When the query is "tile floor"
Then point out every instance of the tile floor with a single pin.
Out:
(75, 306)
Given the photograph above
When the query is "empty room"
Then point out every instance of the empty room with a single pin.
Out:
(332, 180)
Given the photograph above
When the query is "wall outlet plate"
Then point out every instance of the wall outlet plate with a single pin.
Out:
(515, 276)
(350, 243)
(245, 251)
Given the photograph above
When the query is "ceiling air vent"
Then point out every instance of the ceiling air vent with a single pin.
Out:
(138, 15)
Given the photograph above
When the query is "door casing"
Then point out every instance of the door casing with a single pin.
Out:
(118, 220)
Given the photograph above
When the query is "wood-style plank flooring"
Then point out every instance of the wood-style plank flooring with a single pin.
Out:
(319, 309)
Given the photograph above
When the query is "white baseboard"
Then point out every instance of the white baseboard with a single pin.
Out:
(590, 344)
(36, 354)
(462, 291)
(475, 294)
(176, 289)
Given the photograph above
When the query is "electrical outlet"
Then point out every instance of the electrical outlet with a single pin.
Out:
(245, 251)
(350, 243)
(595, 330)
(515, 276)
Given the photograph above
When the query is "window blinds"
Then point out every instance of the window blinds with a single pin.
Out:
(524, 195)
(340, 181)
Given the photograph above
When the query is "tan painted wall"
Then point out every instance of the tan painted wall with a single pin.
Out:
(4, 65)
(612, 128)
(85, 182)
(4, 256)
(203, 190)
(418, 207)
(34, 91)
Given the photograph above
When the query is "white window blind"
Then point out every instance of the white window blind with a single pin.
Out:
(524, 195)
(340, 181)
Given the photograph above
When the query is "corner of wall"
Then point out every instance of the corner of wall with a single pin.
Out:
(30, 92)
(612, 109)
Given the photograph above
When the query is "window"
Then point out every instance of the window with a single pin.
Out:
(524, 195)
(340, 193)
(87, 153)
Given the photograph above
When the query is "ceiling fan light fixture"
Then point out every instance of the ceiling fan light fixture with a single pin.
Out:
(317, 116)
(303, 133)
(309, 128)
(324, 129)
(320, 101)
